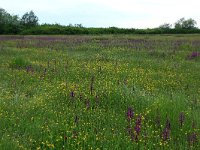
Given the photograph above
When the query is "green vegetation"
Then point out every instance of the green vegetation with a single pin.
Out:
(28, 25)
(100, 92)
(19, 63)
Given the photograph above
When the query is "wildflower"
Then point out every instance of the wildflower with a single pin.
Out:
(138, 124)
(129, 114)
(192, 138)
(166, 134)
(129, 130)
(139, 120)
(166, 131)
(50, 145)
(72, 94)
(137, 129)
(29, 69)
(130, 133)
(194, 55)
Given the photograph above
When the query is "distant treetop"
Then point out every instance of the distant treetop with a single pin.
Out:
(185, 24)
(29, 19)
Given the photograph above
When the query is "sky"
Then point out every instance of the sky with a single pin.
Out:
(107, 13)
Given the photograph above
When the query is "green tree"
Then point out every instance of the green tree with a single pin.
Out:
(3, 15)
(8, 23)
(29, 19)
(165, 26)
(185, 24)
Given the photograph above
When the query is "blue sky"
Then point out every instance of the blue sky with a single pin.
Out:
(107, 13)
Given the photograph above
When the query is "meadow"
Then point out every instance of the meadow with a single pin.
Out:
(100, 92)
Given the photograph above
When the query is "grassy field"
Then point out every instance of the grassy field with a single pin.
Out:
(100, 92)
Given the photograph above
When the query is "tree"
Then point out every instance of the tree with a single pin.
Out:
(165, 26)
(8, 23)
(78, 25)
(29, 19)
(185, 24)
(189, 24)
(2, 20)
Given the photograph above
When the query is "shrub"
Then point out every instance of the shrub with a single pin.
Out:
(19, 63)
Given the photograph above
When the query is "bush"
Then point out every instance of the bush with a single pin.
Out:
(19, 63)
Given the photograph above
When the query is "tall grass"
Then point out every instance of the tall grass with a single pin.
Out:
(99, 92)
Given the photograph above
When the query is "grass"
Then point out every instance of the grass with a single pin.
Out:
(99, 92)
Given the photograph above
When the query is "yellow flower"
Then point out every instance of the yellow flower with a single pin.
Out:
(50, 145)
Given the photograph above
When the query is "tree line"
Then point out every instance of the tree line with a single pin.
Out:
(29, 24)
(13, 24)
